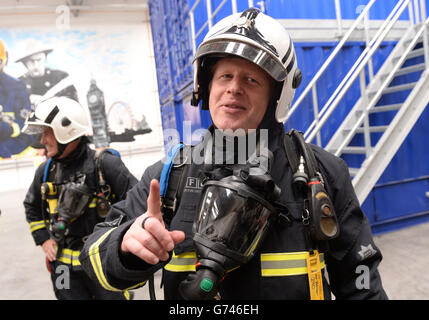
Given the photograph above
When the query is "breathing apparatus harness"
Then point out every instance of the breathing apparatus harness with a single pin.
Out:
(67, 201)
(318, 216)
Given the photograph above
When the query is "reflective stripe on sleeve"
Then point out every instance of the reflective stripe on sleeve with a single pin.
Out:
(16, 131)
(94, 256)
(37, 225)
(286, 264)
(184, 262)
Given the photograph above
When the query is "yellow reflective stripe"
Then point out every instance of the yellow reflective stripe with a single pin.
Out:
(184, 262)
(286, 264)
(93, 203)
(69, 256)
(127, 295)
(37, 225)
(16, 131)
(94, 256)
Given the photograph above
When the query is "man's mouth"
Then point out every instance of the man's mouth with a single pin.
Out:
(233, 107)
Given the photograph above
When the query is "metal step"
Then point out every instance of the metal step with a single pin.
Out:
(386, 108)
(416, 53)
(406, 70)
(410, 69)
(413, 54)
(400, 87)
(354, 150)
(373, 129)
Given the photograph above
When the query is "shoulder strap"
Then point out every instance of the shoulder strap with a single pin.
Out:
(295, 146)
(291, 152)
(98, 160)
(172, 181)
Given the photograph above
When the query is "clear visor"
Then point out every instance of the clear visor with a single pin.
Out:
(256, 55)
(230, 219)
(33, 125)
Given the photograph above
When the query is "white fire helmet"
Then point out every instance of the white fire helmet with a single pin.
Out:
(258, 38)
(65, 116)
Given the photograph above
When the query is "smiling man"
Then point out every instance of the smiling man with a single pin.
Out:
(242, 235)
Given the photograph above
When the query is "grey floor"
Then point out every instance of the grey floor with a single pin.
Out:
(23, 275)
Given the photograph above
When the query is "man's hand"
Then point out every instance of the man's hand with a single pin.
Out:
(50, 249)
(154, 241)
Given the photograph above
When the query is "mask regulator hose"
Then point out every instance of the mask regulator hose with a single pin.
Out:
(203, 284)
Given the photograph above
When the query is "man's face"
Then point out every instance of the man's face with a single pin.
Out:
(239, 94)
(51, 144)
(36, 64)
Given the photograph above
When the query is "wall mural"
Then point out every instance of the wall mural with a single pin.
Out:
(106, 69)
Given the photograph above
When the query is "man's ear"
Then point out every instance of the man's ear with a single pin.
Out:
(297, 78)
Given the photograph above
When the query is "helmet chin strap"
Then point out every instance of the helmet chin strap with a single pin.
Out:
(61, 149)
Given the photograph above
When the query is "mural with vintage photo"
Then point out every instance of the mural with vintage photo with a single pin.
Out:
(104, 68)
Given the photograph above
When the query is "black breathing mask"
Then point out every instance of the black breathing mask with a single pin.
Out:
(74, 199)
(233, 216)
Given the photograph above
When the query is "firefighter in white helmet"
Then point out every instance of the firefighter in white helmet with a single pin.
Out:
(221, 230)
(70, 193)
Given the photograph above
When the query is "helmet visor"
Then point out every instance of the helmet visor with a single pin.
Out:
(33, 125)
(235, 221)
(258, 56)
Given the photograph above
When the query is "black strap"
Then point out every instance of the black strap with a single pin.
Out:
(98, 160)
(295, 146)
(291, 152)
(176, 184)
(102, 186)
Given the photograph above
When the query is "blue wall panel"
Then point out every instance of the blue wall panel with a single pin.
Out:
(160, 44)
(325, 9)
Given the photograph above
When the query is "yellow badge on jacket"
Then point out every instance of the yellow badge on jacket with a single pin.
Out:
(315, 276)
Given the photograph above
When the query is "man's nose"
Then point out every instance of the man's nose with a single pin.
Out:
(235, 86)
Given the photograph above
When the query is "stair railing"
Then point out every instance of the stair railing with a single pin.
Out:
(312, 84)
(384, 85)
(358, 68)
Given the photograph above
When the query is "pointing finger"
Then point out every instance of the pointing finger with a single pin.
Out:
(154, 201)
